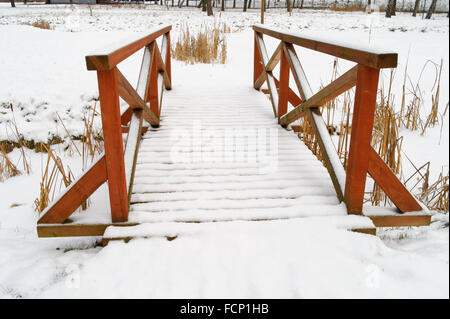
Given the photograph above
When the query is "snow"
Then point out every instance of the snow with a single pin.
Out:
(294, 256)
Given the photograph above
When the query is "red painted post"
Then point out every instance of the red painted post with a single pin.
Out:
(361, 135)
(257, 64)
(167, 58)
(153, 83)
(283, 93)
(112, 135)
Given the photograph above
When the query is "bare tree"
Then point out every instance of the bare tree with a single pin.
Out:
(431, 9)
(389, 8)
(209, 10)
(416, 7)
(13, 4)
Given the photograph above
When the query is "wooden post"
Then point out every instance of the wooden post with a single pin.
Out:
(167, 58)
(262, 11)
(112, 134)
(284, 85)
(361, 135)
(152, 95)
(257, 64)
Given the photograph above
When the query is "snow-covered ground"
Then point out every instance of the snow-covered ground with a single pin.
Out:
(43, 72)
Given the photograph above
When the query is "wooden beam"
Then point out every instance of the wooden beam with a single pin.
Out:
(328, 151)
(130, 95)
(283, 85)
(75, 194)
(132, 149)
(332, 90)
(364, 56)
(269, 77)
(297, 71)
(108, 60)
(400, 220)
(274, 59)
(390, 184)
(152, 94)
(167, 58)
(292, 96)
(258, 67)
(111, 122)
(126, 129)
(76, 230)
(161, 58)
(362, 125)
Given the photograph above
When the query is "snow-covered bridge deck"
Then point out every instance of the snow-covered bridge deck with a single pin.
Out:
(216, 153)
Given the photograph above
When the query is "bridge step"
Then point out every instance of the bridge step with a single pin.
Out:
(173, 230)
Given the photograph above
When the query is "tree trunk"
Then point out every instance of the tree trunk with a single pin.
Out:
(288, 6)
(416, 7)
(431, 9)
(222, 5)
(249, 4)
(209, 10)
(244, 9)
(394, 7)
(389, 9)
(301, 5)
(13, 4)
(234, 4)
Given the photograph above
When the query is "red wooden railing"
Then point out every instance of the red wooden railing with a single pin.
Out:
(117, 164)
(363, 159)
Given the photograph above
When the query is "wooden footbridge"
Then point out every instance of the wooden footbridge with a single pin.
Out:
(224, 157)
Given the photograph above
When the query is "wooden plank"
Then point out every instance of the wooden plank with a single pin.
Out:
(362, 124)
(152, 94)
(332, 90)
(111, 122)
(292, 96)
(108, 60)
(269, 77)
(132, 149)
(76, 230)
(297, 71)
(274, 59)
(400, 220)
(161, 62)
(329, 153)
(283, 85)
(167, 59)
(258, 66)
(75, 194)
(130, 95)
(126, 129)
(368, 231)
(390, 184)
(364, 56)
(144, 73)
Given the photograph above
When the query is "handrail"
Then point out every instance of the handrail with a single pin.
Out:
(362, 160)
(117, 164)
(111, 57)
(362, 55)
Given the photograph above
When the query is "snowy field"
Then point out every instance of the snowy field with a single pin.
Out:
(43, 75)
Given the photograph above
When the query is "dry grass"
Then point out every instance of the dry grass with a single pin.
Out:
(52, 178)
(42, 24)
(207, 46)
(7, 168)
(386, 138)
